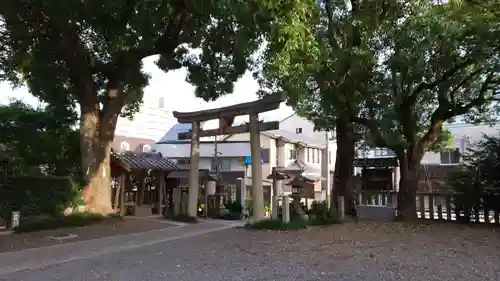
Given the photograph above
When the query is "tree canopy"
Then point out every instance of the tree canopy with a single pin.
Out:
(40, 141)
(88, 54)
(397, 70)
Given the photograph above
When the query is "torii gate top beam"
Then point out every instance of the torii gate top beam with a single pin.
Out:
(267, 103)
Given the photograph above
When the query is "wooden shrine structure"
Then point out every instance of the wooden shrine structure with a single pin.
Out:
(226, 116)
(130, 166)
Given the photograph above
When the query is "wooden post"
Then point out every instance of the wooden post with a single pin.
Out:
(257, 189)
(159, 189)
(117, 195)
(123, 178)
(142, 186)
(194, 173)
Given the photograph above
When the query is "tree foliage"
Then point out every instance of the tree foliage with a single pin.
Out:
(88, 54)
(40, 141)
(478, 182)
(398, 69)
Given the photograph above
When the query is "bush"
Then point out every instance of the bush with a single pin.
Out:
(37, 195)
(320, 214)
(233, 207)
(181, 218)
(278, 225)
(231, 216)
(60, 221)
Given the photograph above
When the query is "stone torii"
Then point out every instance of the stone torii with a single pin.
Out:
(226, 116)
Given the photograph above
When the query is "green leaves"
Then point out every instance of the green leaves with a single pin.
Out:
(40, 138)
(64, 50)
(398, 68)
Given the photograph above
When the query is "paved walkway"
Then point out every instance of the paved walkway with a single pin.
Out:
(53, 255)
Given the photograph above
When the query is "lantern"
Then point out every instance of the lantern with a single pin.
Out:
(210, 187)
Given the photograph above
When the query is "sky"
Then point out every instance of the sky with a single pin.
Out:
(179, 95)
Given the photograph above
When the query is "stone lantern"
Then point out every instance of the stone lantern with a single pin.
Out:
(302, 187)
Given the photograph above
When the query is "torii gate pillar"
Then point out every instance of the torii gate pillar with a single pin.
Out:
(226, 117)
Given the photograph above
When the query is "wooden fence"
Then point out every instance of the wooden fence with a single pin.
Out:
(431, 206)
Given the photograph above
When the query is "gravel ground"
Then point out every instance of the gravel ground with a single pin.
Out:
(353, 252)
(16, 242)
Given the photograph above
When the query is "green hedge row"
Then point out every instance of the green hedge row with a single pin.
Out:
(37, 195)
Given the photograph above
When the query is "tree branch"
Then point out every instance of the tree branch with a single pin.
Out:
(164, 45)
(447, 111)
(412, 97)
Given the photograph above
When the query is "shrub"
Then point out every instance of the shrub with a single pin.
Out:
(37, 195)
(320, 214)
(278, 225)
(31, 224)
(181, 218)
(231, 216)
(233, 207)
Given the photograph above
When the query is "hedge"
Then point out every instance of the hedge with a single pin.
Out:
(37, 195)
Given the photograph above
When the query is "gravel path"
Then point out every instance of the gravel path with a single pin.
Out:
(351, 252)
(106, 228)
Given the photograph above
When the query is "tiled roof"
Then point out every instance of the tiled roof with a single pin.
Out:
(144, 161)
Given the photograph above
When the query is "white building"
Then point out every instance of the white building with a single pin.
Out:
(149, 123)
(436, 165)
(294, 143)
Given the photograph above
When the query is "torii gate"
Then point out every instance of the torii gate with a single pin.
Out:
(226, 117)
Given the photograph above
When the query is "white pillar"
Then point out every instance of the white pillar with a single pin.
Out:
(257, 189)
(194, 173)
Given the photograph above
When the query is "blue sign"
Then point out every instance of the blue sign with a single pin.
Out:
(248, 160)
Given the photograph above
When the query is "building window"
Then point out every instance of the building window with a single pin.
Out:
(124, 146)
(161, 102)
(146, 148)
(450, 156)
(309, 154)
(292, 154)
(264, 154)
(185, 161)
(224, 164)
(298, 130)
(329, 157)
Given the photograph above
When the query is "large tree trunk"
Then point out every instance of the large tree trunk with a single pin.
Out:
(97, 133)
(409, 170)
(344, 169)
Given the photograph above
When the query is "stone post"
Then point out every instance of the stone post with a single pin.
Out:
(257, 189)
(241, 192)
(341, 211)
(274, 197)
(286, 209)
(176, 198)
(194, 172)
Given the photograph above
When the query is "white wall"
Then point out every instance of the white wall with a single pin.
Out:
(266, 143)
